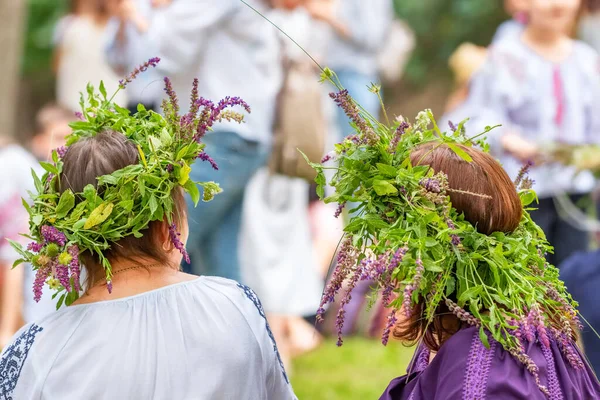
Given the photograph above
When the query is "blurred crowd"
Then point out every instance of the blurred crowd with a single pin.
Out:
(267, 228)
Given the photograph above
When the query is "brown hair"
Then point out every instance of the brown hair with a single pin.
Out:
(492, 204)
(100, 155)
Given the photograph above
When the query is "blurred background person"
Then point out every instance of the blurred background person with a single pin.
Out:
(231, 51)
(79, 53)
(358, 33)
(128, 45)
(518, 10)
(16, 164)
(543, 87)
(589, 24)
(464, 63)
(277, 253)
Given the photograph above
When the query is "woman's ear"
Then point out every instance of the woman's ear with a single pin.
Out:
(164, 237)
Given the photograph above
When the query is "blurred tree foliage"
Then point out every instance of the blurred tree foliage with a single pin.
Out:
(42, 17)
(441, 26)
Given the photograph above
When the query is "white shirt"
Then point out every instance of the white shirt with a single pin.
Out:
(369, 22)
(230, 49)
(203, 339)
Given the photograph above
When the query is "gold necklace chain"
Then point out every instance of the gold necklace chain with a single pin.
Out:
(129, 269)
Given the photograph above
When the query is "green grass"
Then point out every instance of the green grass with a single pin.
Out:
(361, 369)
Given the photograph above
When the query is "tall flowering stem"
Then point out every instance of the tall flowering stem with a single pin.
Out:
(346, 103)
(411, 287)
(153, 62)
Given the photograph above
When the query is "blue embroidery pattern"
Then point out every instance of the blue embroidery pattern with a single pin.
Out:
(254, 298)
(13, 359)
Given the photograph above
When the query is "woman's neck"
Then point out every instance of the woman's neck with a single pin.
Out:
(552, 45)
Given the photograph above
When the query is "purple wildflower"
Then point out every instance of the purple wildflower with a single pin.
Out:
(453, 127)
(462, 314)
(527, 183)
(109, 286)
(339, 209)
(391, 322)
(172, 95)
(523, 173)
(537, 320)
(345, 261)
(177, 242)
(62, 274)
(526, 326)
(170, 168)
(328, 157)
(400, 131)
(194, 106)
(346, 103)
(431, 185)
(53, 235)
(411, 287)
(339, 322)
(530, 365)
(455, 240)
(205, 157)
(74, 266)
(566, 347)
(35, 247)
(62, 150)
(79, 115)
(142, 68)
(38, 284)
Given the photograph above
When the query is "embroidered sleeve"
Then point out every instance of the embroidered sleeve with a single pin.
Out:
(13, 360)
(254, 299)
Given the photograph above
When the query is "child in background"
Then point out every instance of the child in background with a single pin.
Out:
(518, 10)
(79, 53)
(466, 60)
(543, 88)
(16, 163)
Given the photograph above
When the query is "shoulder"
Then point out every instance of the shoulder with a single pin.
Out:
(580, 263)
(242, 296)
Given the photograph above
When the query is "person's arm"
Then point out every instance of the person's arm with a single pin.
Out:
(488, 105)
(182, 30)
(11, 314)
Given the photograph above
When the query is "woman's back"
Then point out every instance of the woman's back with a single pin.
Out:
(465, 369)
(202, 339)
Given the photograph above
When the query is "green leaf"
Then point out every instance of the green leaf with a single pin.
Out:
(49, 167)
(108, 180)
(459, 152)
(19, 262)
(19, 249)
(383, 188)
(153, 204)
(79, 224)
(321, 182)
(182, 152)
(387, 170)
(89, 192)
(38, 183)
(140, 107)
(60, 301)
(184, 173)
(192, 188)
(450, 286)
(99, 215)
(26, 206)
(527, 197)
(103, 90)
(483, 337)
(71, 297)
(126, 205)
(430, 242)
(37, 219)
(469, 294)
(65, 204)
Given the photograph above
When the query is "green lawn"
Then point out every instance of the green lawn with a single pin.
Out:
(361, 369)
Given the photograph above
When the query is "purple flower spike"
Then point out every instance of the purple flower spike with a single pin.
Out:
(62, 274)
(431, 185)
(399, 133)
(523, 173)
(38, 284)
(142, 68)
(79, 115)
(410, 288)
(35, 247)
(346, 103)
(339, 210)
(205, 157)
(391, 322)
(62, 150)
(328, 157)
(109, 286)
(53, 235)
(177, 242)
(453, 127)
(172, 95)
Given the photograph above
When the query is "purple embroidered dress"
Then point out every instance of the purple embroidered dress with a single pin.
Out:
(465, 369)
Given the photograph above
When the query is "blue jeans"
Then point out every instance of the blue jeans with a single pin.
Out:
(358, 87)
(215, 226)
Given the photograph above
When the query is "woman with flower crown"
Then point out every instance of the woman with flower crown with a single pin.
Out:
(447, 239)
(112, 203)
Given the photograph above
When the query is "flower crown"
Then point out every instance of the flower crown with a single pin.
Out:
(124, 202)
(405, 236)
